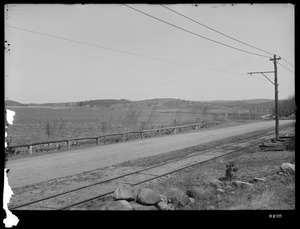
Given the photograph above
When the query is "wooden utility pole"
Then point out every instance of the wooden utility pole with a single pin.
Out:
(275, 83)
(276, 96)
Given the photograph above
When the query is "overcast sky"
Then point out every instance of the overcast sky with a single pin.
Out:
(69, 53)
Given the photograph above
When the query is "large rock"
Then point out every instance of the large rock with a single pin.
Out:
(177, 197)
(139, 207)
(220, 190)
(192, 200)
(199, 193)
(163, 198)
(162, 205)
(119, 205)
(171, 206)
(287, 168)
(216, 183)
(210, 208)
(258, 179)
(124, 192)
(148, 196)
(241, 184)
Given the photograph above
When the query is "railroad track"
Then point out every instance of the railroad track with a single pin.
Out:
(76, 197)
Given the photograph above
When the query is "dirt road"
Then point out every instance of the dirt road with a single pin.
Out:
(36, 169)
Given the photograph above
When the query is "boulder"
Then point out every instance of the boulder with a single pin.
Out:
(241, 184)
(177, 197)
(163, 198)
(198, 193)
(257, 179)
(192, 200)
(220, 190)
(148, 196)
(171, 206)
(124, 192)
(119, 205)
(287, 168)
(216, 183)
(139, 207)
(162, 205)
(210, 208)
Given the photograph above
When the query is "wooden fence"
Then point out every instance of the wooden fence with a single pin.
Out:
(67, 143)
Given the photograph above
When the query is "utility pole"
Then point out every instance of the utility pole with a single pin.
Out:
(276, 96)
(276, 92)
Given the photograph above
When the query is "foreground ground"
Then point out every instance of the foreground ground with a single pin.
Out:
(275, 192)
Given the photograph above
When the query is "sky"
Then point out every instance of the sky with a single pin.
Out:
(68, 53)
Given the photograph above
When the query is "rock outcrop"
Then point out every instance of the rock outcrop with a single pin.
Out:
(126, 198)
(287, 168)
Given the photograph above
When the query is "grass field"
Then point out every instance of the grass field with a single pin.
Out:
(45, 123)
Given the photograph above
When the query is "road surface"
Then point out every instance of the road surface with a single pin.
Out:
(36, 169)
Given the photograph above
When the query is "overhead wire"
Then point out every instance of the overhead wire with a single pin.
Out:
(285, 67)
(199, 23)
(75, 73)
(157, 59)
(287, 61)
(120, 51)
(208, 27)
(198, 35)
(153, 58)
(112, 77)
(92, 57)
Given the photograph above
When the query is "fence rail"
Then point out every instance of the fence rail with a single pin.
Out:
(122, 137)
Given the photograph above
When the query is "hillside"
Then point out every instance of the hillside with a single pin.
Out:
(259, 107)
(12, 103)
(159, 104)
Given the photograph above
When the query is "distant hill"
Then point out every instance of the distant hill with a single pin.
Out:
(102, 103)
(259, 107)
(159, 103)
(247, 101)
(12, 103)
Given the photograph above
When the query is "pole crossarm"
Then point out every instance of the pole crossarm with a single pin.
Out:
(275, 58)
(263, 75)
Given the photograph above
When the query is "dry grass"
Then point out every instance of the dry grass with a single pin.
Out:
(277, 192)
(257, 202)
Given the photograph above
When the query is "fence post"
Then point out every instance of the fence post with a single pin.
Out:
(175, 130)
(30, 149)
(159, 132)
(123, 137)
(98, 141)
(142, 135)
(68, 145)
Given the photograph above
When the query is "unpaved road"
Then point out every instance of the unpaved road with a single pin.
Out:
(36, 169)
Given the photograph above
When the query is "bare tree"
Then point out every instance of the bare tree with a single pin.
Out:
(104, 127)
(131, 118)
(152, 114)
(54, 129)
